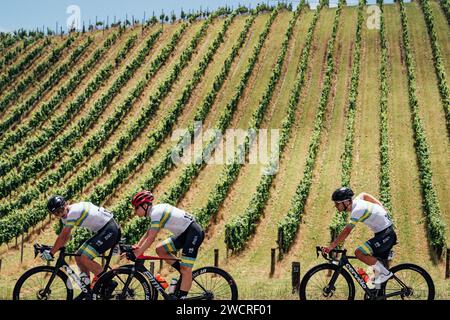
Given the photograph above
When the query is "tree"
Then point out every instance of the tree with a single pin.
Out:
(182, 14)
(162, 16)
(173, 17)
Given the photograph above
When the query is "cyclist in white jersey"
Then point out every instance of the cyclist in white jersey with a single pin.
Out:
(96, 219)
(187, 235)
(368, 210)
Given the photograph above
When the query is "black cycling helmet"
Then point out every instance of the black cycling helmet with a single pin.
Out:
(55, 202)
(342, 194)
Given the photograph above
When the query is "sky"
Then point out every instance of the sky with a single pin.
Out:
(32, 14)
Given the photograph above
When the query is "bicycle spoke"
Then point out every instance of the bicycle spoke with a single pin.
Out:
(318, 284)
(416, 286)
(33, 288)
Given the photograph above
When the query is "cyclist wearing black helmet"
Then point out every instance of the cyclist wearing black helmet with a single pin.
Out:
(87, 215)
(367, 209)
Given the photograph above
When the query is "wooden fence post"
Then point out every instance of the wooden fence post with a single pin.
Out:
(295, 276)
(447, 265)
(152, 267)
(272, 262)
(280, 244)
(216, 258)
(160, 265)
(21, 250)
(0, 265)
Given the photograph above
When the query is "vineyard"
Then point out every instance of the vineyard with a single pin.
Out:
(93, 116)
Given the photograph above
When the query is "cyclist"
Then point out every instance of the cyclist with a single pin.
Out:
(187, 235)
(365, 208)
(96, 219)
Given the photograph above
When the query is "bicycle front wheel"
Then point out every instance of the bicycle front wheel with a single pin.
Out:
(213, 284)
(409, 282)
(32, 285)
(316, 284)
(122, 284)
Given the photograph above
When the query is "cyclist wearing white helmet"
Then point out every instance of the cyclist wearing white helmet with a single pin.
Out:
(187, 235)
(367, 209)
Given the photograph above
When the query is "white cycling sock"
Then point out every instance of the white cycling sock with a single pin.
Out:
(380, 268)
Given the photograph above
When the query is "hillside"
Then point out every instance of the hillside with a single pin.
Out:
(91, 116)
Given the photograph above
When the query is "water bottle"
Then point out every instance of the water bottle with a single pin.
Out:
(173, 285)
(363, 274)
(161, 281)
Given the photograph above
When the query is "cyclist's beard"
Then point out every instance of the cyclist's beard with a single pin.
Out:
(147, 212)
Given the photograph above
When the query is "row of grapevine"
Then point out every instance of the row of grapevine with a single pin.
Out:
(435, 224)
(43, 160)
(122, 210)
(99, 106)
(51, 131)
(288, 226)
(102, 191)
(20, 220)
(37, 73)
(6, 41)
(239, 230)
(48, 107)
(135, 228)
(53, 79)
(10, 56)
(385, 189)
(438, 63)
(340, 218)
(445, 4)
(123, 52)
(21, 65)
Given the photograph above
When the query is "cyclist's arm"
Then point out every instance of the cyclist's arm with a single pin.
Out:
(342, 236)
(141, 241)
(370, 198)
(148, 240)
(62, 239)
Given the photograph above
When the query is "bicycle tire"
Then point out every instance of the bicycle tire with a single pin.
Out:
(332, 268)
(231, 284)
(412, 267)
(98, 294)
(47, 269)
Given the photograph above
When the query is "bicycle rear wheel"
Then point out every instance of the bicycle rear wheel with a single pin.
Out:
(117, 285)
(213, 284)
(31, 285)
(411, 282)
(315, 284)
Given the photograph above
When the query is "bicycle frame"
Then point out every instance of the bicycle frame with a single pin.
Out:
(345, 263)
(140, 267)
(63, 265)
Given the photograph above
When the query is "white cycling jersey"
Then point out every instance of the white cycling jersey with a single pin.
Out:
(371, 214)
(87, 215)
(166, 216)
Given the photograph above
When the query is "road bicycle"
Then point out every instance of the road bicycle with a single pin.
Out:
(54, 282)
(136, 282)
(332, 281)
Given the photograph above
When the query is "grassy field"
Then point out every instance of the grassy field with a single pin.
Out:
(251, 266)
